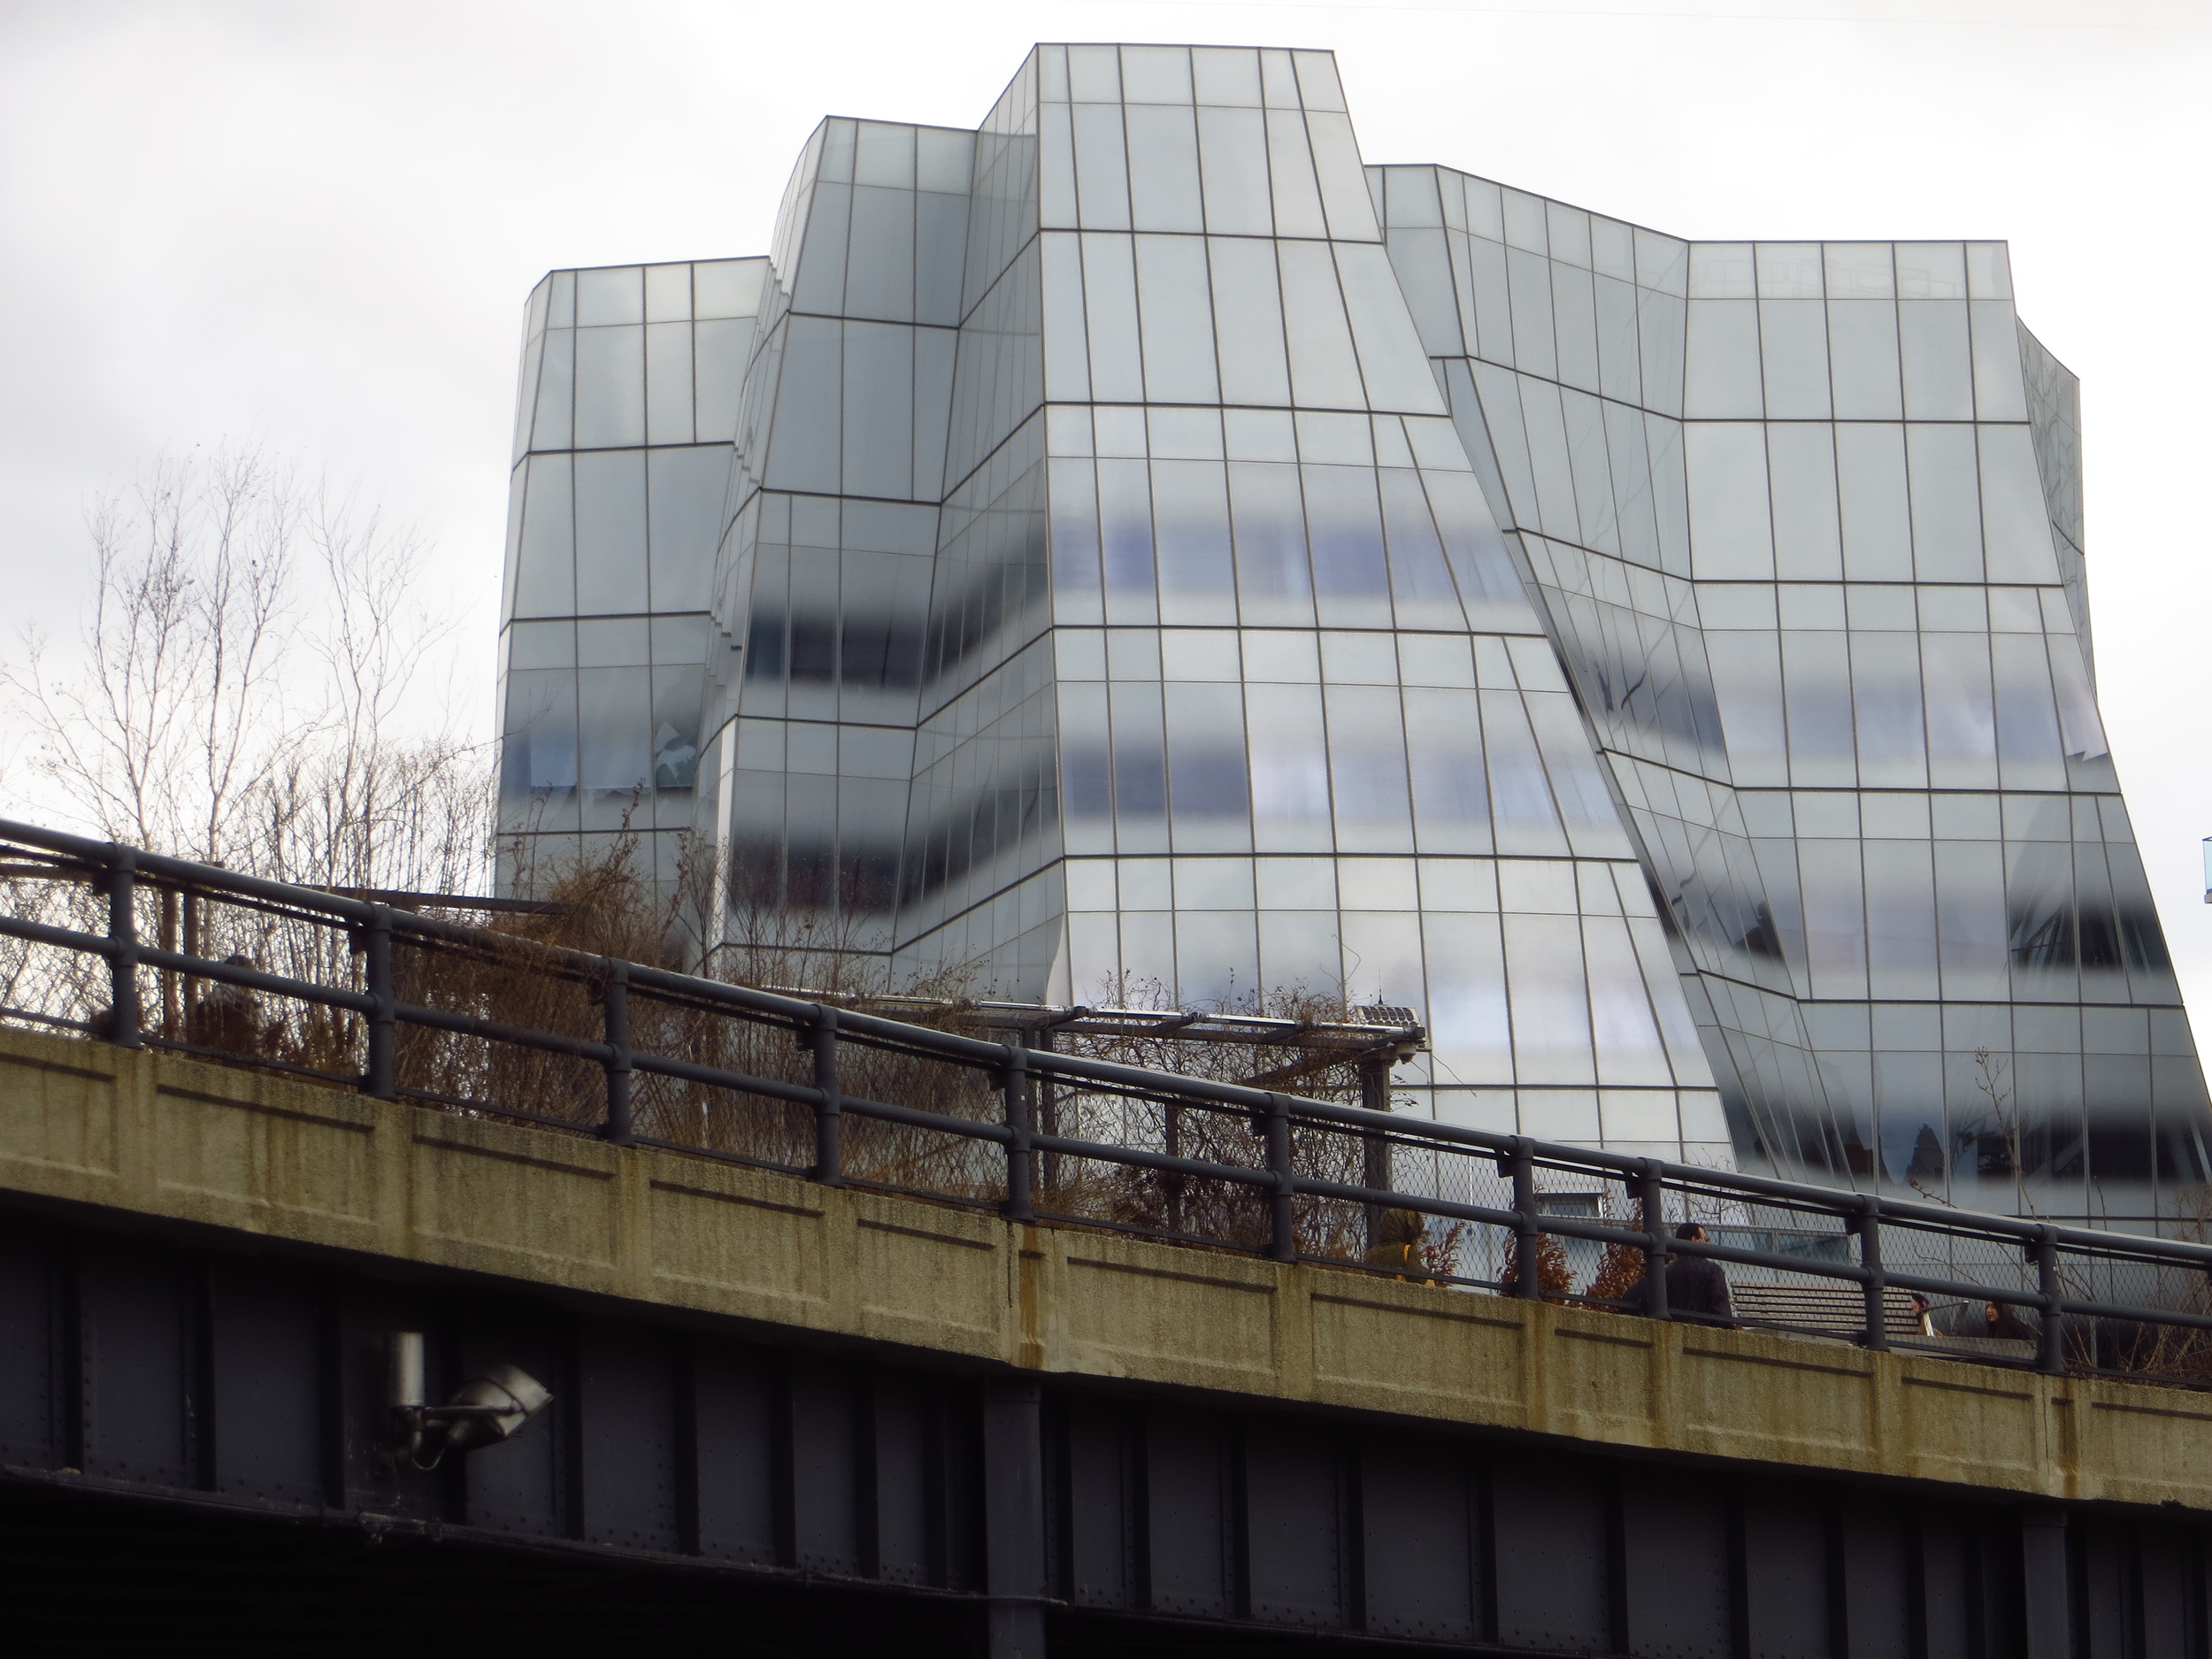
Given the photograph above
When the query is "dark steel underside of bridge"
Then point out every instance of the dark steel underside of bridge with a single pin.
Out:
(188, 1434)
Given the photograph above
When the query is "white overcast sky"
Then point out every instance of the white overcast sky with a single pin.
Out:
(314, 225)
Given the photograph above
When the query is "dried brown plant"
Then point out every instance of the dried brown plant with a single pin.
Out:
(1211, 1209)
(1554, 1281)
(1621, 1268)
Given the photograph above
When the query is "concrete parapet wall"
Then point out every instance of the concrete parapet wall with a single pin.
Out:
(181, 1141)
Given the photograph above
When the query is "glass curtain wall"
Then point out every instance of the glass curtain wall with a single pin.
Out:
(1805, 521)
(1311, 733)
(630, 383)
(1163, 558)
(830, 582)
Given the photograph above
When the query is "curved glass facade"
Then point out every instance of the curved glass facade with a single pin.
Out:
(1136, 544)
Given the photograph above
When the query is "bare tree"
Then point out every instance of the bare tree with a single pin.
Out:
(239, 691)
(179, 708)
(369, 803)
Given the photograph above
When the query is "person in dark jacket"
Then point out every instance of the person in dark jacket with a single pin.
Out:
(1696, 1286)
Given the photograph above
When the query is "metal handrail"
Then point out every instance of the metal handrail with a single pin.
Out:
(1018, 1071)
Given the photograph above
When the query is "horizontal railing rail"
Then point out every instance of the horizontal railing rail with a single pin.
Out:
(636, 1053)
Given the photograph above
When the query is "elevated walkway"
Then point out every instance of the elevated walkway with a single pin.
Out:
(826, 1396)
(183, 1141)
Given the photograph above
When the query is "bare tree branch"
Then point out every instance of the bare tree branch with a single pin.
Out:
(242, 682)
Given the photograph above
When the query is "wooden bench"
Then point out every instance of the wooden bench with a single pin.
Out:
(1834, 1311)
(1838, 1312)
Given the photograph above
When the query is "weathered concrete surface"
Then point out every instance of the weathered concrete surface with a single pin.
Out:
(179, 1140)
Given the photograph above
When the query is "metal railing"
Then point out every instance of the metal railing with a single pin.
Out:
(402, 1005)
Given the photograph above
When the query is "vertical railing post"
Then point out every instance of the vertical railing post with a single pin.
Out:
(1045, 1111)
(1650, 1194)
(1020, 1178)
(2051, 1351)
(1867, 1223)
(1374, 1094)
(829, 1163)
(123, 1012)
(616, 998)
(1171, 1181)
(381, 1081)
(172, 1023)
(1282, 1240)
(194, 908)
(1528, 1238)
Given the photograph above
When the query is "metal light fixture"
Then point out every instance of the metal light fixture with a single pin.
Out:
(484, 1410)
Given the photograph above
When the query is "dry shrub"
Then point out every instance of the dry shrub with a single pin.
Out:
(1554, 1281)
(2181, 1353)
(55, 987)
(1621, 1268)
(40, 985)
(1440, 1251)
(1620, 1271)
(1204, 1208)
(607, 907)
(1409, 1248)
(509, 969)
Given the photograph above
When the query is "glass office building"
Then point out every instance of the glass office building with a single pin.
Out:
(1136, 542)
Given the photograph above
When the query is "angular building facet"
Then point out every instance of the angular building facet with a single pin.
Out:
(1135, 545)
